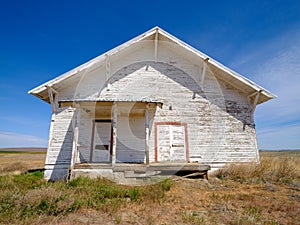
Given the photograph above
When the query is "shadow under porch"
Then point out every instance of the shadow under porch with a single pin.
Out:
(136, 174)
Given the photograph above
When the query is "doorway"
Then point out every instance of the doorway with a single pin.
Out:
(102, 141)
(171, 142)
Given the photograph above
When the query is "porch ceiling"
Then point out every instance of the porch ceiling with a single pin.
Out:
(110, 100)
(104, 107)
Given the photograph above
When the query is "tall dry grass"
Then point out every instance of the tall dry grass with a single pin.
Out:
(14, 162)
(270, 169)
(14, 167)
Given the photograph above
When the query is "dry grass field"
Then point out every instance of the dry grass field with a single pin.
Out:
(17, 160)
(267, 193)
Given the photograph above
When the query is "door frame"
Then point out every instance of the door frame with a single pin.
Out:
(171, 123)
(93, 135)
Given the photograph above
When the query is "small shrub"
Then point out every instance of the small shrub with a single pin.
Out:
(29, 180)
(135, 194)
(75, 182)
(118, 220)
(251, 215)
(166, 184)
(192, 218)
(254, 212)
(157, 191)
(150, 220)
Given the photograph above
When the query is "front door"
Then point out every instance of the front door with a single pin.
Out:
(171, 142)
(102, 141)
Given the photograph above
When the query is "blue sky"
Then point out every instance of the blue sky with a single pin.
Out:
(42, 39)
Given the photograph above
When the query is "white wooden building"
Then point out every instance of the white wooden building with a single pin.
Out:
(150, 101)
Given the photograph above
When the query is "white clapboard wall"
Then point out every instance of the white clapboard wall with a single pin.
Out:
(60, 144)
(218, 116)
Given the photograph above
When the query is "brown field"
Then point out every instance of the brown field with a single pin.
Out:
(268, 193)
(17, 160)
(26, 150)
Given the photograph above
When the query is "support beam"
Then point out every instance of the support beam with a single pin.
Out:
(74, 152)
(76, 132)
(155, 45)
(249, 96)
(52, 97)
(254, 103)
(147, 133)
(256, 99)
(204, 70)
(92, 142)
(114, 136)
(75, 142)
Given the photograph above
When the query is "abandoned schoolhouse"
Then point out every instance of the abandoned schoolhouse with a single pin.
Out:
(149, 106)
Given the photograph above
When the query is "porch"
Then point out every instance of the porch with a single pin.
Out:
(121, 140)
(111, 131)
(135, 173)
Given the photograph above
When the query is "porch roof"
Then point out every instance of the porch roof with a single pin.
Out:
(131, 100)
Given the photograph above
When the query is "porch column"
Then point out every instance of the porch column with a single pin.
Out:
(75, 142)
(147, 132)
(114, 147)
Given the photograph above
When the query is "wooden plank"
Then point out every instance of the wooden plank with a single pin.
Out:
(147, 133)
(75, 143)
(114, 135)
(140, 168)
(179, 167)
(74, 152)
(161, 167)
(92, 141)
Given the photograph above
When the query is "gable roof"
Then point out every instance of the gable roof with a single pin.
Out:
(224, 73)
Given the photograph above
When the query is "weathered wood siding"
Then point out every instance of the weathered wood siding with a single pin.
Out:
(220, 127)
(214, 134)
(60, 144)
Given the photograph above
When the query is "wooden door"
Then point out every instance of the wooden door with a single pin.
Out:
(171, 141)
(102, 142)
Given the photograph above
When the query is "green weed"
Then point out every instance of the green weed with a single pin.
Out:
(28, 195)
